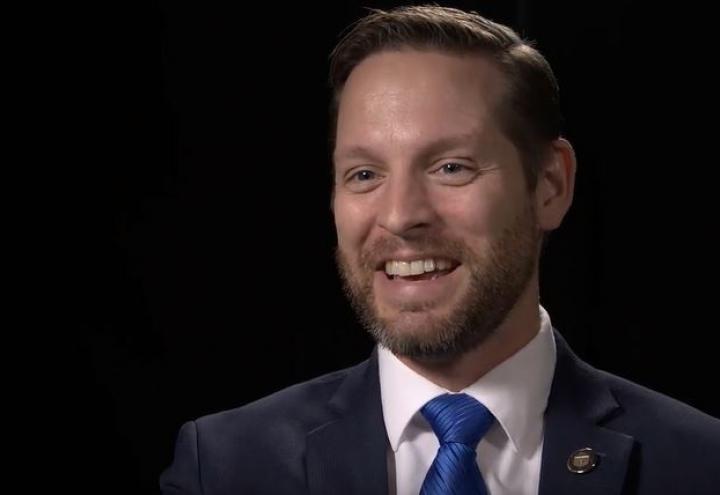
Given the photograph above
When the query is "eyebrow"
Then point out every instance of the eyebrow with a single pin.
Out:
(429, 149)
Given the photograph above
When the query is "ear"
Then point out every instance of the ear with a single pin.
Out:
(555, 185)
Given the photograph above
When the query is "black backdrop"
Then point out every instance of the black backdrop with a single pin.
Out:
(204, 253)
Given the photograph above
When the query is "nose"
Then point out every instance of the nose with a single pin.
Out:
(406, 207)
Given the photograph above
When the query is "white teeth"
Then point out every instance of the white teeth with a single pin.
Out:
(390, 267)
(429, 265)
(402, 268)
(415, 267)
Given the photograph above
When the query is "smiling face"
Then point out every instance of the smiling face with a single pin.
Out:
(437, 233)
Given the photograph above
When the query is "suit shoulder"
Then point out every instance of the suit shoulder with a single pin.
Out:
(266, 437)
(299, 403)
(652, 412)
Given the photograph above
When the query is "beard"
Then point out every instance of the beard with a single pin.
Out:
(498, 277)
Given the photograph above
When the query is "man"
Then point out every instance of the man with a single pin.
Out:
(449, 171)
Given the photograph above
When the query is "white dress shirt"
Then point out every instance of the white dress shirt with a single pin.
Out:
(515, 391)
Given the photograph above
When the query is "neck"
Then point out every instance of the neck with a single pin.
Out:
(516, 331)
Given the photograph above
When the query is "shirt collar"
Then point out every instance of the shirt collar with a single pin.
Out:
(515, 391)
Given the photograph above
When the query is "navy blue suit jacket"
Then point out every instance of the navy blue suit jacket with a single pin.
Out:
(327, 437)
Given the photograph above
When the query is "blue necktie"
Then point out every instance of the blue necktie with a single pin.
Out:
(459, 421)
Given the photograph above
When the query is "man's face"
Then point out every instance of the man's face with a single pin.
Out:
(437, 235)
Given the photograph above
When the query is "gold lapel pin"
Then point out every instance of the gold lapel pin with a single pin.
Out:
(582, 461)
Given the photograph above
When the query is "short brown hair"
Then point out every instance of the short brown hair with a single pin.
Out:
(529, 112)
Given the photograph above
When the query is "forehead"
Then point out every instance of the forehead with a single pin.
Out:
(410, 94)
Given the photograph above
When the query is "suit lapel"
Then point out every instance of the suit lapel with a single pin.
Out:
(348, 454)
(579, 402)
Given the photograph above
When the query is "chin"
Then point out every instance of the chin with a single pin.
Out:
(406, 332)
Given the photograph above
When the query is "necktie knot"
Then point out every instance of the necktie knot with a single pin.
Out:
(458, 418)
(459, 421)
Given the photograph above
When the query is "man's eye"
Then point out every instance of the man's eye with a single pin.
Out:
(363, 175)
(452, 168)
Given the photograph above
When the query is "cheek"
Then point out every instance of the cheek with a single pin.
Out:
(351, 224)
(469, 215)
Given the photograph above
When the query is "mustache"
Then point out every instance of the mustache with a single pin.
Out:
(384, 248)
